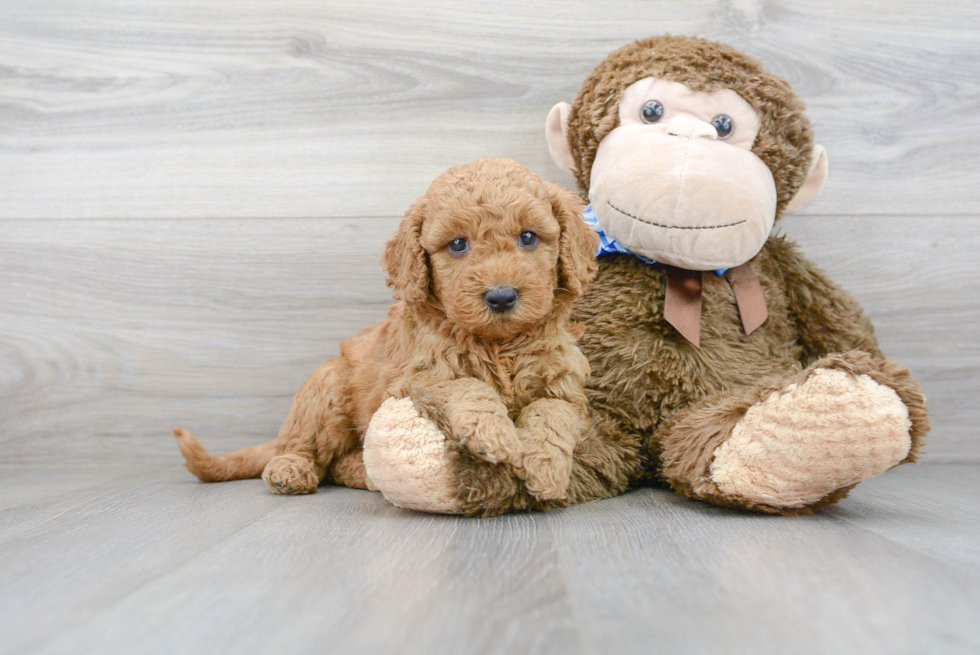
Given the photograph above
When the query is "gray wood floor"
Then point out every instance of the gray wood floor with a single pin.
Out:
(193, 200)
(136, 558)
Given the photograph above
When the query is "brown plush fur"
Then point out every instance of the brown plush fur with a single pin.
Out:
(679, 401)
(682, 401)
(508, 388)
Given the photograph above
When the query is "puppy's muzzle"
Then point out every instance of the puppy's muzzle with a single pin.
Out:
(500, 299)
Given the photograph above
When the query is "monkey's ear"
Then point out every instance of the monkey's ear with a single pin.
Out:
(405, 260)
(576, 251)
(813, 184)
(555, 129)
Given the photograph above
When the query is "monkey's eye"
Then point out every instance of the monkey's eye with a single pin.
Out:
(652, 111)
(458, 246)
(528, 239)
(724, 125)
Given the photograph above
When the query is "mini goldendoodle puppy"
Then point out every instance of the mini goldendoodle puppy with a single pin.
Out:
(486, 264)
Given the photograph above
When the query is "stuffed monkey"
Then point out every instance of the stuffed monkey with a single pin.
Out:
(724, 364)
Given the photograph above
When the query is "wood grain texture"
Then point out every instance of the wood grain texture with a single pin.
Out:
(120, 329)
(141, 559)
(111, 332)
(294, 108)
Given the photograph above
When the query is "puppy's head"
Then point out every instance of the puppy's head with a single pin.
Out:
(493, 247)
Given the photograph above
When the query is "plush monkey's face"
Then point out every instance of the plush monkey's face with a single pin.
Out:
(677, 180)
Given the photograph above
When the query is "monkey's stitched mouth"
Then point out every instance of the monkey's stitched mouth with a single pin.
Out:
(675, 227)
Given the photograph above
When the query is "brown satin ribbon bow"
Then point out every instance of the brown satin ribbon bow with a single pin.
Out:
(682, 302)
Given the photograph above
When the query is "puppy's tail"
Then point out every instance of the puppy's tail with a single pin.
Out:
(247, 462)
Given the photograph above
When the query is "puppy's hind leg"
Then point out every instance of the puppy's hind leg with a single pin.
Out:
(348, 471)
(315, 434)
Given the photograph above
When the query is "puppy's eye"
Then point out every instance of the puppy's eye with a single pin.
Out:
(528, 239)
(652, 111)
(724, 125)
(458, 246)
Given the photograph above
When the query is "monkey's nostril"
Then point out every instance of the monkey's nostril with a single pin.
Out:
(500, 299)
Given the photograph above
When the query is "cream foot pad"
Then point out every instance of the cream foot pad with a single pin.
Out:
(406, 457)
(808, 440)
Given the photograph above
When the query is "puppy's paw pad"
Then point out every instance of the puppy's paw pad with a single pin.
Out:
(802, 443)
(290, 474)
(485, 449)
(492, 438)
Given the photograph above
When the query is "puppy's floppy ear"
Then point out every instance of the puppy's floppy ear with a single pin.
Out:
(576, 258)
(405, 260)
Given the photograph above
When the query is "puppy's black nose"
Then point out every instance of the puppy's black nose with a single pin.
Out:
(500, 299)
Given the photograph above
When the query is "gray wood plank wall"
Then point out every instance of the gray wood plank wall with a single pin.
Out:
(194, 194)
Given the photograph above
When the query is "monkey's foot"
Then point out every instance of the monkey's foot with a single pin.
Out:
(808, 440)
(290, 474)
(408, 458)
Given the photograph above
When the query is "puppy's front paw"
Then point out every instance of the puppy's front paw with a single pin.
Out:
(290, 474)
(546, 467)
(491, 437)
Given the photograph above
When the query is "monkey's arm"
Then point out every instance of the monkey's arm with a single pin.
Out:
(828, 319)
(831, 322)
